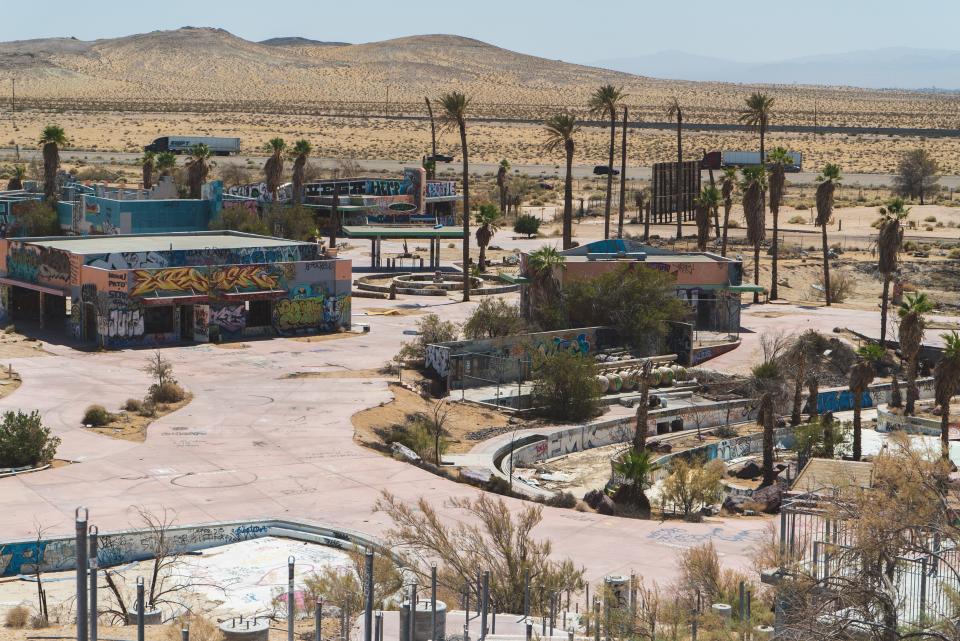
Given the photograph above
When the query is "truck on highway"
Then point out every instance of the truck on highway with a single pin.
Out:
(183, 144)
(749, 158)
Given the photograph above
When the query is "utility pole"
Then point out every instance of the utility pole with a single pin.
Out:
(13, 102)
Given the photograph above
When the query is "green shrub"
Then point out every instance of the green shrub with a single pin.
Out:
(149, 409)
(527, 224)
(133, 405)
(798, 220)
(954, 254)
(96, 416)
(25, 441)
(562, 499)
(494, 317)
(430, 329)
(168, 392)
(565, 385)
(930, 219)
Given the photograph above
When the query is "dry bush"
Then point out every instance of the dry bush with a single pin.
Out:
(167, 393)
(701, 574)
(17, 617)
(201, 629)
(841, 287)
(133, 405)
(96, 416)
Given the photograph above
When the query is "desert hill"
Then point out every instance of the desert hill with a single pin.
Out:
(212, 65)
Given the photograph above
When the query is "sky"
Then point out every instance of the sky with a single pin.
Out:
(574, 31)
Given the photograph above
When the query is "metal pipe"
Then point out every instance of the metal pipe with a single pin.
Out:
(185, 633)
(141, 608)
(291, 603)
(368, 615)
(596, 619)
(485, 603)
(529, 631)
(81, 563)
(92, 533)
(412, 613)
(553, 605)
(379, 624)
(693, 629)
(433, 602)
(493, 618)
(318, 620)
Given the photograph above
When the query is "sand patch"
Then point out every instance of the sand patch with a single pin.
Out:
(131, 426)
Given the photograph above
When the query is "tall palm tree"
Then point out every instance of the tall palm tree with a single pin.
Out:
(301, 151)
(502, 170)
(166, 161)
(605, 102)
(560, 130)
(767, 382)
(707, 203)
(454, 115)
(728, 183)
(753, 185)
(827, 181)
(674, 110)
(488, 223)
(861, 375)
(947, 383)
(51, 140)
(643, 404)
(778, 160)
(147, 165)
(198, 168)
(803, 357)
(889, 241)
(756, 115)
(16, 179)
(273, 168)
(912, 326)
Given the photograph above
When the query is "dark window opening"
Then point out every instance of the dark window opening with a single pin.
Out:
(158, 320)
(259, 313)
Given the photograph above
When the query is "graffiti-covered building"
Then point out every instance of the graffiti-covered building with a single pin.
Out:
(148, 289)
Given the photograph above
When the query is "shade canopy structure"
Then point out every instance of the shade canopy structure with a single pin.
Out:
(377, 233)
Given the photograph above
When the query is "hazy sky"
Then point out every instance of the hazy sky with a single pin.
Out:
(577, 31)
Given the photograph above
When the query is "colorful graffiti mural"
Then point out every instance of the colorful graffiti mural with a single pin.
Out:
(298, 313)
(230, 319)
(174, 280)
(35, 264)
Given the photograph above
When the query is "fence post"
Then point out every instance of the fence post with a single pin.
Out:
(433, 602)
(923, 589)
(291, 604)
(82, 569)
(141, 608)
(318, 621)
(368, 615)
(92, 562)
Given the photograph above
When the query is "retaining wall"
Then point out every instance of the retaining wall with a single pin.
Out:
(839, 399)
(59, 554)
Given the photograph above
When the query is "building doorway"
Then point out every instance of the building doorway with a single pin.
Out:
(186, 322)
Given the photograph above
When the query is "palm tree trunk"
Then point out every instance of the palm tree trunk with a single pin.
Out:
(334, 217)
(568, 201)
(828, 438)
(797, 395)
(945, 430)
(884, 302)
(756, 271)
(826, 264)
(813, 394)
(466, 212)
(911, 384)
(482, 260)
(623, 176)
(774, 293)
(606, 207)
(727, 206)
(857, 408)
(640, 432)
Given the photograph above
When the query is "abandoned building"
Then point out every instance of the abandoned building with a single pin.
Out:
(147, 289)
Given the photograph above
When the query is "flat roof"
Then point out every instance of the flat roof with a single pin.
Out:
(108, 244)
(408, 231)
(650, 258)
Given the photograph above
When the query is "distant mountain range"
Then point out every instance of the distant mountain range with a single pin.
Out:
(890, 67)
(297, 41)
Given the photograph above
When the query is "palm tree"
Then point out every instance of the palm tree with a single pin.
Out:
(889, 241)
(768, 386)
(727, 186)
(488, 221)
(273, 168)
(454, 115)
(198, 168)
(605, 102)
(803, 357)
(301, 151)
(912, 326)
(754, 182)
(502, 170)
(827, 181)
(147, 164)
(947, 382)
(756, 115)
(16, 180)
(707, 202)
(51, 140)
(643, 404)
(778, 160)
(166, 161)
(560, 130)
(541, 269)
(635, 467)
(861, 375)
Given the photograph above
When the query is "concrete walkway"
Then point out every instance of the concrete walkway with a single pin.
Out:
(254, 443)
